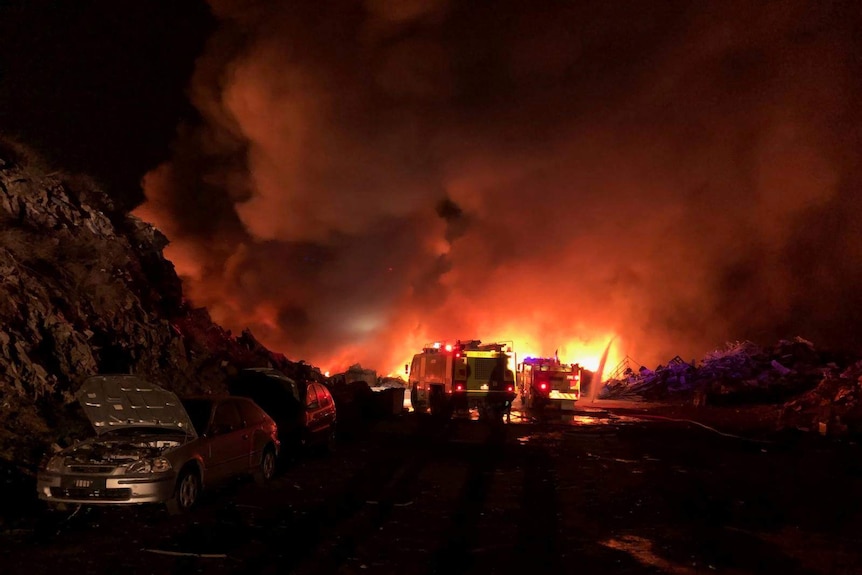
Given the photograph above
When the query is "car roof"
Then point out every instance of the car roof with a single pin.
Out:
(265, 371)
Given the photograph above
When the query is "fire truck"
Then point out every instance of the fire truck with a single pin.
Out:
(449, 377)
(546, 382)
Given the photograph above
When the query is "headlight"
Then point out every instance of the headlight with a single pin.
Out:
(157, 465)
(55, 464)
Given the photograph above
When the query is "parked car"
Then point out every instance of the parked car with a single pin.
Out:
(304, 412)
(150, 447)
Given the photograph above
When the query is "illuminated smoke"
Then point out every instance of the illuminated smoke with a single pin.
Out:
(368, 178)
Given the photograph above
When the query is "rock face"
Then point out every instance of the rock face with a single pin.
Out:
(85, 289)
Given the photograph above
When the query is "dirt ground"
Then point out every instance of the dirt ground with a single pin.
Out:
(610, 488)
(744, 420)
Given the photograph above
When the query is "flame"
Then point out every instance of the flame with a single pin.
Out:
(399, 370)
(585, 352)
(588, 354)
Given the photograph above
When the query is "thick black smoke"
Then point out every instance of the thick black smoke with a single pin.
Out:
(372, 176)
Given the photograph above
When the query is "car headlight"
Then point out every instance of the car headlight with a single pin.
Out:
(155, 465)
(55, 464)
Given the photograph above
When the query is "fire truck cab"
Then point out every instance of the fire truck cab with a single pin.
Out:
(457, 376)
(545, 382)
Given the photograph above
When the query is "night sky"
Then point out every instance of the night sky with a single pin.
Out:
(353, 179)
(100, 86)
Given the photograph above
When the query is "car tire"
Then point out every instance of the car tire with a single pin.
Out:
(186, 492)
(266, 469)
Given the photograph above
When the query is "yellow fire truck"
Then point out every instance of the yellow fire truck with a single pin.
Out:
(447, 377)
(545, 382)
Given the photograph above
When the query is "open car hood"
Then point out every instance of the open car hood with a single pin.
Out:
(130, 401)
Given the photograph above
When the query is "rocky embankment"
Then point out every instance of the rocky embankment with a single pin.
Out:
(85, 289)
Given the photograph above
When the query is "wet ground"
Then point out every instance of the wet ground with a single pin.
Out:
(599, 490)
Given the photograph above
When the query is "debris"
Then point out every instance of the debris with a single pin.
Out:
(186, 554)
(742, 372)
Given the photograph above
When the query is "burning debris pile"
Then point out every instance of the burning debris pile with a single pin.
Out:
(86, 290)
(814, 390)
(742, 372)
(626, 383)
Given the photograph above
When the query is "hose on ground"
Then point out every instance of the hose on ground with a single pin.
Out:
(699, 424)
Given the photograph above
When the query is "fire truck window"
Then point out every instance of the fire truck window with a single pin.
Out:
(436, 368)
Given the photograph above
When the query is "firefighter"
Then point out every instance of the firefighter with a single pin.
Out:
(501, 376)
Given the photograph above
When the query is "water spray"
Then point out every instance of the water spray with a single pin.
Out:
(597, 376)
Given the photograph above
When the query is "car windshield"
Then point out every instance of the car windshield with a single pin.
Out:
(199, 412)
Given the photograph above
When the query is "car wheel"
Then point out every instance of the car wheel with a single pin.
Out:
(266, 470)
(186, 493)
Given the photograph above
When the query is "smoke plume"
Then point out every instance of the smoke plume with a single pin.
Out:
(369, 177)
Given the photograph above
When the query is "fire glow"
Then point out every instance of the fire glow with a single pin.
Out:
(348, 205)
(586, 354)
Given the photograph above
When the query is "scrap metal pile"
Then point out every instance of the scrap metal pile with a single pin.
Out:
(742, 372)
(811, 390)
(833, 407)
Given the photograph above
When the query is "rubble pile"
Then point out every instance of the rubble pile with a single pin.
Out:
(834, 407)
(362, 395)
(391, 382)
(353, 395)
(677, 376)
(87, 290)
(742, 372)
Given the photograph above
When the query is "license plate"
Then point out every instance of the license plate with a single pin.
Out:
(83, 483)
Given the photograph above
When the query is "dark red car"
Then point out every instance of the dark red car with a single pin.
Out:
(304, 412)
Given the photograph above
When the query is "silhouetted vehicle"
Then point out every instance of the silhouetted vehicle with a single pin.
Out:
(447, 378)
(151, 447)
(304, 412)
(546, 382)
